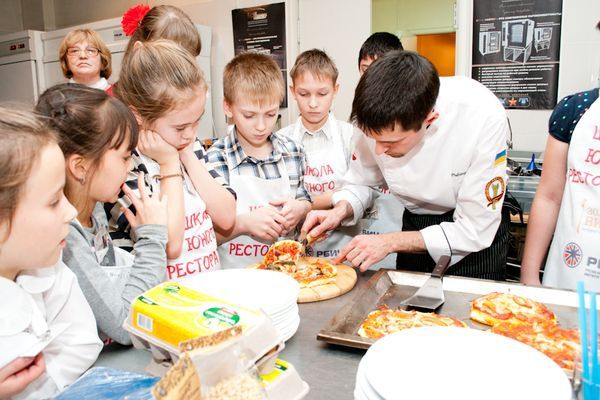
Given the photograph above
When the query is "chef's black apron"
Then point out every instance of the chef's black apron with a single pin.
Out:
(488, 263)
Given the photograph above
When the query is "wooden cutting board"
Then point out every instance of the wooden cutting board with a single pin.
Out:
(344, 282)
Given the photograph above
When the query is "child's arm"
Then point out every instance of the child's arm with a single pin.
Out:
(72, 352)
(220, 202)
(153, 146)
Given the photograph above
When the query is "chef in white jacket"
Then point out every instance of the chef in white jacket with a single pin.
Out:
(441, 147)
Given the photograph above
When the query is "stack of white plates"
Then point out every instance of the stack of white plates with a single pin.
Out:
(457, 363)
(273, 292)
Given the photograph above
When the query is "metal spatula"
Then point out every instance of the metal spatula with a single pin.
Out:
(431, 295)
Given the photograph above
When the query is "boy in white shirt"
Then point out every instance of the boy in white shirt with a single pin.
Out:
(326, 140)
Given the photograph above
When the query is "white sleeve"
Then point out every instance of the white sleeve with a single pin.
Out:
(77, 348)
(362, 177)
(479, 202)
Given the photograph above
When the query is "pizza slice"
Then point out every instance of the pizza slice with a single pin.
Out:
(284, 252)
(496, 307)
(560, 344)
(311, 271)
(384, 321)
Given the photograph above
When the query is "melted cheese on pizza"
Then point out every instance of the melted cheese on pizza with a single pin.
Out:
(283, 251)
(384, 321)
(496, 307)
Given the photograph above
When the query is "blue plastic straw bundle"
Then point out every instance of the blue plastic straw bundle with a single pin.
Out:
(590, 373)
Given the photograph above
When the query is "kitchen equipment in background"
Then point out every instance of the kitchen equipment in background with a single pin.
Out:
(489, 42)
(21, 67)
(111, 32)
(517, 39)
(542, 38)
(431, 295)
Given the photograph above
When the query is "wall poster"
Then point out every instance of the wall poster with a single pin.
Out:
(262, 30)
(516, 50)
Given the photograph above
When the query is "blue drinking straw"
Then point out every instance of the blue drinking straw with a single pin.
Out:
(595, 374)
(585, 373)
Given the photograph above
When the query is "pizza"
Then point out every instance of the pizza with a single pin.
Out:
(284, 252)
(496, 307)
(286, 256)
(384, 321)
(560, 344)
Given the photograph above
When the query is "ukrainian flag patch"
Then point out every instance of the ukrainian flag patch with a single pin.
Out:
(500, 158)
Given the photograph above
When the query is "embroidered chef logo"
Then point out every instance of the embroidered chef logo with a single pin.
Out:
(572, 255)
(494, 191)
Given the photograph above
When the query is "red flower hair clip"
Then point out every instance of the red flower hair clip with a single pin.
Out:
(133, 17)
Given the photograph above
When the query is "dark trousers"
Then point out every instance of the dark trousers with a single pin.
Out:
(488, 263)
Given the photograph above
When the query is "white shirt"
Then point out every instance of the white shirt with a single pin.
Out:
(450, 169)
(102, 84)
(57, 295)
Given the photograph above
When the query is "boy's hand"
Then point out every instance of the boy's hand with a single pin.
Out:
(293, 211)
(264, 224)
(16, 375)
(149, 210)
(154, 146)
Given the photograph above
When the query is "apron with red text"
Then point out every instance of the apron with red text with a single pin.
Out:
(252, 192)
(574, 254)
(199, 249)
(325, 168)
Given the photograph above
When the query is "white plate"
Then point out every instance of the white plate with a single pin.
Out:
(290, 330)
(363, 389)
(269, 290)
(458, 363)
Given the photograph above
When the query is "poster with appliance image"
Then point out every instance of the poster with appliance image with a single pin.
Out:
(516, 50)
(261, 30)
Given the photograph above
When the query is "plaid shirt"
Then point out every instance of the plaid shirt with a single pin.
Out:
(117, 223)
(227, 155)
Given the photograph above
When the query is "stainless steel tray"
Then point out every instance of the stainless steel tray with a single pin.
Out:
(391, 287)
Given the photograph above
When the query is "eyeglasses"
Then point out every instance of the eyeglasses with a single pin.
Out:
(89, 51)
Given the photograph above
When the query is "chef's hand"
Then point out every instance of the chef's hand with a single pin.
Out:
(293, 211)
(264, 224)
(15, 376)
(365, 250)
(148, 209)
(320, 221)
(154, 146)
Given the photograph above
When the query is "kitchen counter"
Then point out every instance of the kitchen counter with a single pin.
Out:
(329, 370)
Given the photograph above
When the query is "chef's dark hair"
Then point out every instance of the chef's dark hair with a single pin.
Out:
(378, 44)
(400, 88)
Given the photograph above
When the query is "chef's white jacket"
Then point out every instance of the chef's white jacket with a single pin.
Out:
(57, 296)
(452, 168)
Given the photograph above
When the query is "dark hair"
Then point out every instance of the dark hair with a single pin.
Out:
(167, 22)
(88, 121)
(401, 87)
(378, 44)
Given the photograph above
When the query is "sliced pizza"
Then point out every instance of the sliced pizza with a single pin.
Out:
(312, 271)
(560, 344)
(384, 321)
(284, 252)
(496, 307)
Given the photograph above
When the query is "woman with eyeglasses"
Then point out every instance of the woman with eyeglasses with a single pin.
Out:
(85, 59)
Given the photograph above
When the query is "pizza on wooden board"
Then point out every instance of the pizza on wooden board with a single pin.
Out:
(384, 321)
(286, 256)
(496, 307)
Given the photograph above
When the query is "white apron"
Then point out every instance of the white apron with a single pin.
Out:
(199, 249)
(574, 254)
(385, 216)
(252, 192)
(325, 168)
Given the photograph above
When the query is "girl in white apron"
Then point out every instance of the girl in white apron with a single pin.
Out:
(172, 157)
(574, 254)
(325, 167)
(97, 134)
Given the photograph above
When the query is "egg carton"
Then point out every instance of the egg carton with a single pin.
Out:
(170, 313)
(283, 382)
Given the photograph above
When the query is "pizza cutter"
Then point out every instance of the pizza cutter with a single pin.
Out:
(430, 296)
